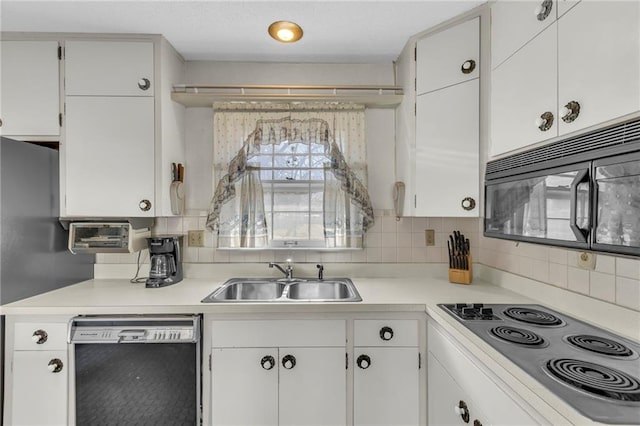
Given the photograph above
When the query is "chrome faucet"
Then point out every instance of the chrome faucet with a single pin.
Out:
(288, 272)
(320, 271)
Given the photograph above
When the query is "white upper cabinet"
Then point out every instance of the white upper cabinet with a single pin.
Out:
(581, 71)
(598, 62)
(448, 57)
(447, 141)
(109, 156)
(514, 23)
(447, 152)
(109, 68)
(30, 90)
(524, 89)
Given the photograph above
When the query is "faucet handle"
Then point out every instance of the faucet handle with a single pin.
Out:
(320, 271)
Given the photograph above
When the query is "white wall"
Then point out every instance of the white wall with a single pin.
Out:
(380, 123)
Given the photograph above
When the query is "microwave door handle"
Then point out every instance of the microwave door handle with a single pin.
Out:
(581, 234)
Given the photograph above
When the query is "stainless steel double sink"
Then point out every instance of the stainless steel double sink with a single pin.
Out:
(261, 290)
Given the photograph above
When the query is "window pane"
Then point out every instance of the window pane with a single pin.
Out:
(279, 174)
(317, 226)
(291, 201)
(290, 226)
(317, 148)
(317, 199)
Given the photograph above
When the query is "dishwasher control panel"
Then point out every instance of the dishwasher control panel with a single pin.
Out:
(133, 330)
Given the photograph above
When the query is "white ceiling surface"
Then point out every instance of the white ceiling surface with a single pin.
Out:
(234, 30)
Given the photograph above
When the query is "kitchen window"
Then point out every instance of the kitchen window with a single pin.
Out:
(289, 184)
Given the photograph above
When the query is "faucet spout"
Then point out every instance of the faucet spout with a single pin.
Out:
(288, 272)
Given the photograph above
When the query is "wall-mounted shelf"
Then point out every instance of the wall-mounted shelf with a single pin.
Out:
(205, 95)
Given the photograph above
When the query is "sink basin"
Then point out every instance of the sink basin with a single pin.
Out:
(284, 290)
(320, 290)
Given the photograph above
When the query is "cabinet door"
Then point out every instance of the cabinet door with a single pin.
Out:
(109, 68)
(599, 61)
(515, 23)
(523, 89)
(39, 395)
(313, 391)
(447, 151)
(448, 57)
(386, 386)
(109, 156)
(30, 88)
(244, 386)
(445, 397)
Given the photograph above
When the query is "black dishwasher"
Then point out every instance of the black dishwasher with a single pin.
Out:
(142, 370)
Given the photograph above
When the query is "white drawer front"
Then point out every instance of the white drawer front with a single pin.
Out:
(386, 333)
(35, 336)
(278, 333)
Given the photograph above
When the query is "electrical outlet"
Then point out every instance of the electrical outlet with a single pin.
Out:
(429, 237)
(196, 238)
(587, 260)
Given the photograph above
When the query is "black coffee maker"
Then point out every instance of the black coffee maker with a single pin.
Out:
(166, 260)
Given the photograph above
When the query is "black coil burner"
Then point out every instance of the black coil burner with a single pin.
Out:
(600, 345)
(517, 336)
(595, 379)
(533, 316)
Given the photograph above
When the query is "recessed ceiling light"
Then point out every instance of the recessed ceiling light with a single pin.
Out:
(285, 31)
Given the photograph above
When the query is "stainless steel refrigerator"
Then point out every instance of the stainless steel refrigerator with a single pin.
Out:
(33, 245)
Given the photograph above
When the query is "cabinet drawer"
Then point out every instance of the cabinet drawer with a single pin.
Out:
(385, 333)
(278, 333)
(50, 336)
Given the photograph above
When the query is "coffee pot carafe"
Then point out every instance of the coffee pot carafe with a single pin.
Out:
(166, 260)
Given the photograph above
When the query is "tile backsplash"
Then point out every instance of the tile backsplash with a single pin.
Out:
(388, 241)
(615, 279)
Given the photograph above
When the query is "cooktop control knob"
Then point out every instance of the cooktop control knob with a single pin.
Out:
(486, 312)
(469, 312)
(477, 305)
(460, 306)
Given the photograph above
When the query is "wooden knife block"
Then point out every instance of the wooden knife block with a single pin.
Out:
(462, 276)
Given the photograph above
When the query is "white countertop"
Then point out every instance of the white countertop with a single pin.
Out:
(384, 288)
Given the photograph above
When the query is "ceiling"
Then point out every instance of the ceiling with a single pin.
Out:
(234, 30)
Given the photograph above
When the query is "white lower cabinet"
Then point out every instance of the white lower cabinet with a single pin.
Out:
(36, 371)
(449, 404)
(278, 386)
(461, 392)
(386, 373)
(386, 388)
(40, 388)
(302, 371)
(297, 379)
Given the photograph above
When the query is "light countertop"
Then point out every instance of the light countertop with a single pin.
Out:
(384, 288)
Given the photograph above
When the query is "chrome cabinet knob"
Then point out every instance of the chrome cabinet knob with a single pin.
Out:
(545, 121)
(144, 84)
(570, 111)
(39, 337)
(468, 66)
(145, 205)
(363, 361)
(55, 365)
(462, 410)
(543, 10)
(468, 203)
(386, 333)
(267, 362)
(289, 361)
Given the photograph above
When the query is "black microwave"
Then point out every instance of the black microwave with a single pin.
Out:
(581, 193)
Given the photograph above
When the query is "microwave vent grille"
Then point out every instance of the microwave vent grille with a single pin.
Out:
(578, 148)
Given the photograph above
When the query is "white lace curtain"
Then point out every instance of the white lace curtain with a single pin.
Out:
(237, 208)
